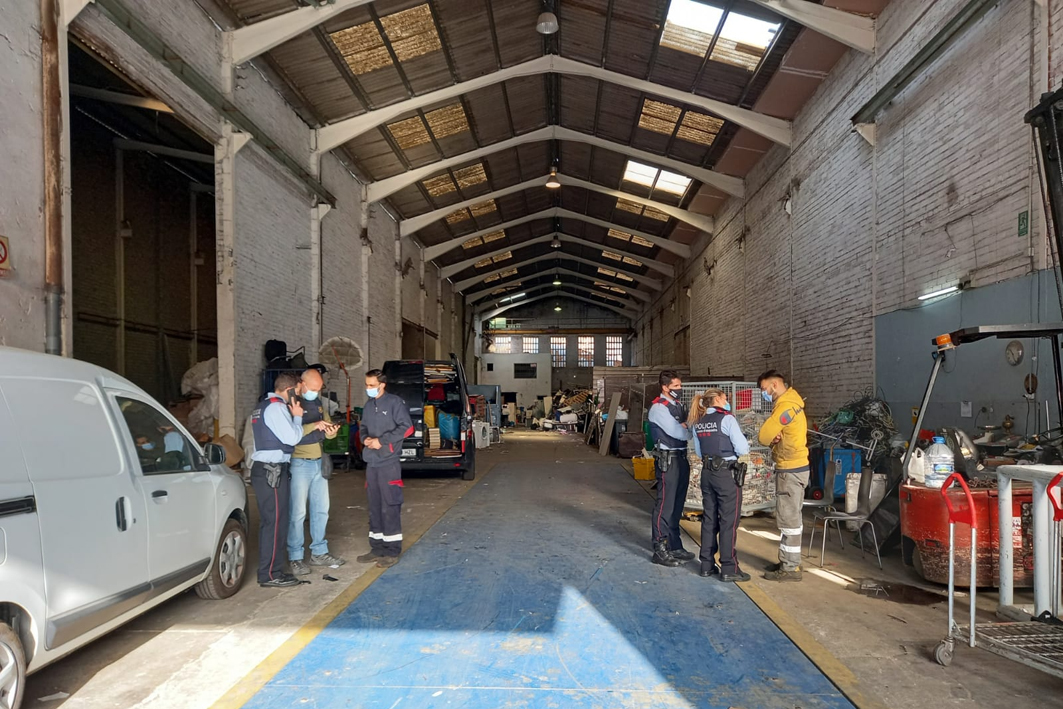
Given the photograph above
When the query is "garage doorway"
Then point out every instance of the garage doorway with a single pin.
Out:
(143, 232)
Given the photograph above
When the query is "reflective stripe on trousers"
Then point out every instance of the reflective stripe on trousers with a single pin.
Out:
(789, 498)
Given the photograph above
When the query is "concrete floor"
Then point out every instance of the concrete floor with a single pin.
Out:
(189, 652)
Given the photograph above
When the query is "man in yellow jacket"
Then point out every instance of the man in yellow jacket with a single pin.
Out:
(786, 431)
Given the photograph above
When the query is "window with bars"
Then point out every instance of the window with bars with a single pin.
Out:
(586, 351)
(503, 344)
(614, 351)
(559, 351)
(531, 345)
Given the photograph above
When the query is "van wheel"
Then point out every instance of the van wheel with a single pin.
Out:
(12, 668)
(230, 564)
(469, 474)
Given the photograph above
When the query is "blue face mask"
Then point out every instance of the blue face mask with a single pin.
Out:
(727, 406)
(310, 395)
(765, 395)
(372, 392)
(147, 446)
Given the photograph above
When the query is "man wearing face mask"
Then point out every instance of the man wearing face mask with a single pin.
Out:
(718, 441)
(786, 431)
(385, 425)
(308, 484)
(277, 423)
(668, 428)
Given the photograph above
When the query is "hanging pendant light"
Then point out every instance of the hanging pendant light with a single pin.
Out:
(547, 23)
(552, 183)
(557, 279)
(557, 308)
(556, 243)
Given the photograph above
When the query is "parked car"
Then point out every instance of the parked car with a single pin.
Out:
(441, 385)
(108, 507)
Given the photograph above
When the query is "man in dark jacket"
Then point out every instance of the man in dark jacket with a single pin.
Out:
(385, 424)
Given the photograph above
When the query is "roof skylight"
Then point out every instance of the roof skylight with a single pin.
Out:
(659, 117)
(743, 41)
(690, 26)
(412, 32)
(698, 128)
(625, 205)
(656, 179)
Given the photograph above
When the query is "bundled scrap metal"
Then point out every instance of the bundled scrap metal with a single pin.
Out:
(758, 494)
(865, 420)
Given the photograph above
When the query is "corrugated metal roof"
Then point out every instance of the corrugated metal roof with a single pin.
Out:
(389, 50)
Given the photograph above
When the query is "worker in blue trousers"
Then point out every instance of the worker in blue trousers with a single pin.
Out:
(669, 431)
(718, 441)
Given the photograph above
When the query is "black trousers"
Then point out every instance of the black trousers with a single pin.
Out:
(272, 521)
(383, 484)
(671, 495)
(722, 500)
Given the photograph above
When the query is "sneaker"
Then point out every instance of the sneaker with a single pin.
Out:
(326, 560)
(736, 576)
(782, 575)
(280, 582)
(299, 567)
(369, 558)
(387, 561)
(682, 555)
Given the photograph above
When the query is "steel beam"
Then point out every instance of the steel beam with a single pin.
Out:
(664, 268)
(572, 296)
(72, 8)
(384, 188)
(139, 146)
(332, 136)
(612, 265)
(698, 221)
(852, 30)
(433, 252)
(251, 41)
(640, 295)
(547, 286)
(118, 97)
(460, 266)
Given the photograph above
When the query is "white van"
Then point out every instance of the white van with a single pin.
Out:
(107, 508)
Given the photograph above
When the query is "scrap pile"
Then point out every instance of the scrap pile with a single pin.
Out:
(866, 420)
(757, 494)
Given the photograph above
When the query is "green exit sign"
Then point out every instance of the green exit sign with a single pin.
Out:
(1024, 223)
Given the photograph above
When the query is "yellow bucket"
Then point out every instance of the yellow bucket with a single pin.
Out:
(643, 468)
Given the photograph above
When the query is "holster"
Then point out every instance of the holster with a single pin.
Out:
(273, 474)
(739, 472)
(664, 458)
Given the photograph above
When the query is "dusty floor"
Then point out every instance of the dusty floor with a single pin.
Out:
(189, 652)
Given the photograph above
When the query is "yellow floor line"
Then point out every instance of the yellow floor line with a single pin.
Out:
(832, 668)
(242, 692)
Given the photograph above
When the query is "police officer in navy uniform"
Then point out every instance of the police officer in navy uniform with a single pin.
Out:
(277, 424)
(718, 441)
(668, 428)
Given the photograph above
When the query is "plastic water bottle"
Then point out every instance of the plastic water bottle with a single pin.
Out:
(940, 463)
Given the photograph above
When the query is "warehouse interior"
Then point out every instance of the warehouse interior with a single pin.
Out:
(554, 201)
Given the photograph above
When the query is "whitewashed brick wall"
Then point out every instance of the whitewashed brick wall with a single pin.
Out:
(871, 228)
(385, 312)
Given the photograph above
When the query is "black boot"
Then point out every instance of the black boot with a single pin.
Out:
(662, 556)
(682, 555)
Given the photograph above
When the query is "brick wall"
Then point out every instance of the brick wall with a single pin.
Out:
(22, 196)
(383, 308)
(871, 228)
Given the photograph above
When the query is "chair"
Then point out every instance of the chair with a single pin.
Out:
(861, 517)
(827, 501)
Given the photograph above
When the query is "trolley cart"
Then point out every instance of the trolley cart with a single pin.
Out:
(1037, 643)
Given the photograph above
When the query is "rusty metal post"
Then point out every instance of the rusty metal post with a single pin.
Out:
(52, 115)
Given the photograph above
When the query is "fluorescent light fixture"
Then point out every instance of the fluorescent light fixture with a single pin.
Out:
(552, 182)
(513, 297)
(547, 23)
(943, 291)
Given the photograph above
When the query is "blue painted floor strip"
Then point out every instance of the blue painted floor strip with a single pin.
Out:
(536, 590)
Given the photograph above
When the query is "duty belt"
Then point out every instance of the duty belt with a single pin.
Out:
(664, 457)
(738, 470)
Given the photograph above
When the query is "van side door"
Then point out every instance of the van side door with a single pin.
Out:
(179, 492)
(93, 525)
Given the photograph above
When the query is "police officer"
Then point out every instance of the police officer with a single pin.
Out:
(668, 429)
(277, 424)
(718, 441)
